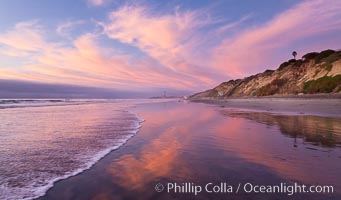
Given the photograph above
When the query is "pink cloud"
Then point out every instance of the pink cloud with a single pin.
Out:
(255, 46)
(171, 39)
(128, 24)
(88, 63)
(179, 51)
(25, 36)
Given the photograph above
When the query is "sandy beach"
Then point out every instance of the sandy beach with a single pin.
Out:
(182, 142)
(315, 105)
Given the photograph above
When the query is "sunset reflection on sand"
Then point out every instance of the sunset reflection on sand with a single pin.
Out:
(200, 143)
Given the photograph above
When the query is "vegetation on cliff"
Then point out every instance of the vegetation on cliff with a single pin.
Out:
(324, 84)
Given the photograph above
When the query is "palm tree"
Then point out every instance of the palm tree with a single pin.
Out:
(294, 53)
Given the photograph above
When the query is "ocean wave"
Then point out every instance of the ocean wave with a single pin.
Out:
(31, 184)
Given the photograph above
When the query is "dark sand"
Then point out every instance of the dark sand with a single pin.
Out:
(198, 143)
(294, 105)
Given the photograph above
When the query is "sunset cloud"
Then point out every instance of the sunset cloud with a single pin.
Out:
(254, 47)
(86, 62)
(139, 47)
(171, 39)
(25, 36)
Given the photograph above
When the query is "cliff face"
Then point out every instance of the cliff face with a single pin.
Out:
(314, 73)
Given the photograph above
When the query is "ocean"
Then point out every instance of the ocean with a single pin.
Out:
(44, 140)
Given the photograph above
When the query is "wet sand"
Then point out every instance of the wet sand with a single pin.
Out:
(294, 105)
(198, 143)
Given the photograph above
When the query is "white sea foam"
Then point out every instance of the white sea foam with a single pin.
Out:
(107, 129)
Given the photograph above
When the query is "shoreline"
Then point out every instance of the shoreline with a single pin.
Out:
(38, 185)
(319, 105)
(169, 144)
(97, 158)
(289, 96)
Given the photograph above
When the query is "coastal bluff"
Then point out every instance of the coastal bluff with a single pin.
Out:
(313, 73)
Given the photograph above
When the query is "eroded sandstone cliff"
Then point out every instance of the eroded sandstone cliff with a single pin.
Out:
(314, 73)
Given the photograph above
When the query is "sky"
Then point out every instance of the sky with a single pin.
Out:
(153, 46)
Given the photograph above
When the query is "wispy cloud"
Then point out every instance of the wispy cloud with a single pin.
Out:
(255, 46)
(86, 62)
(233, 25)
(98, 2)
(169, 38)
(65, 28)
(26, 36)
(179, 49)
